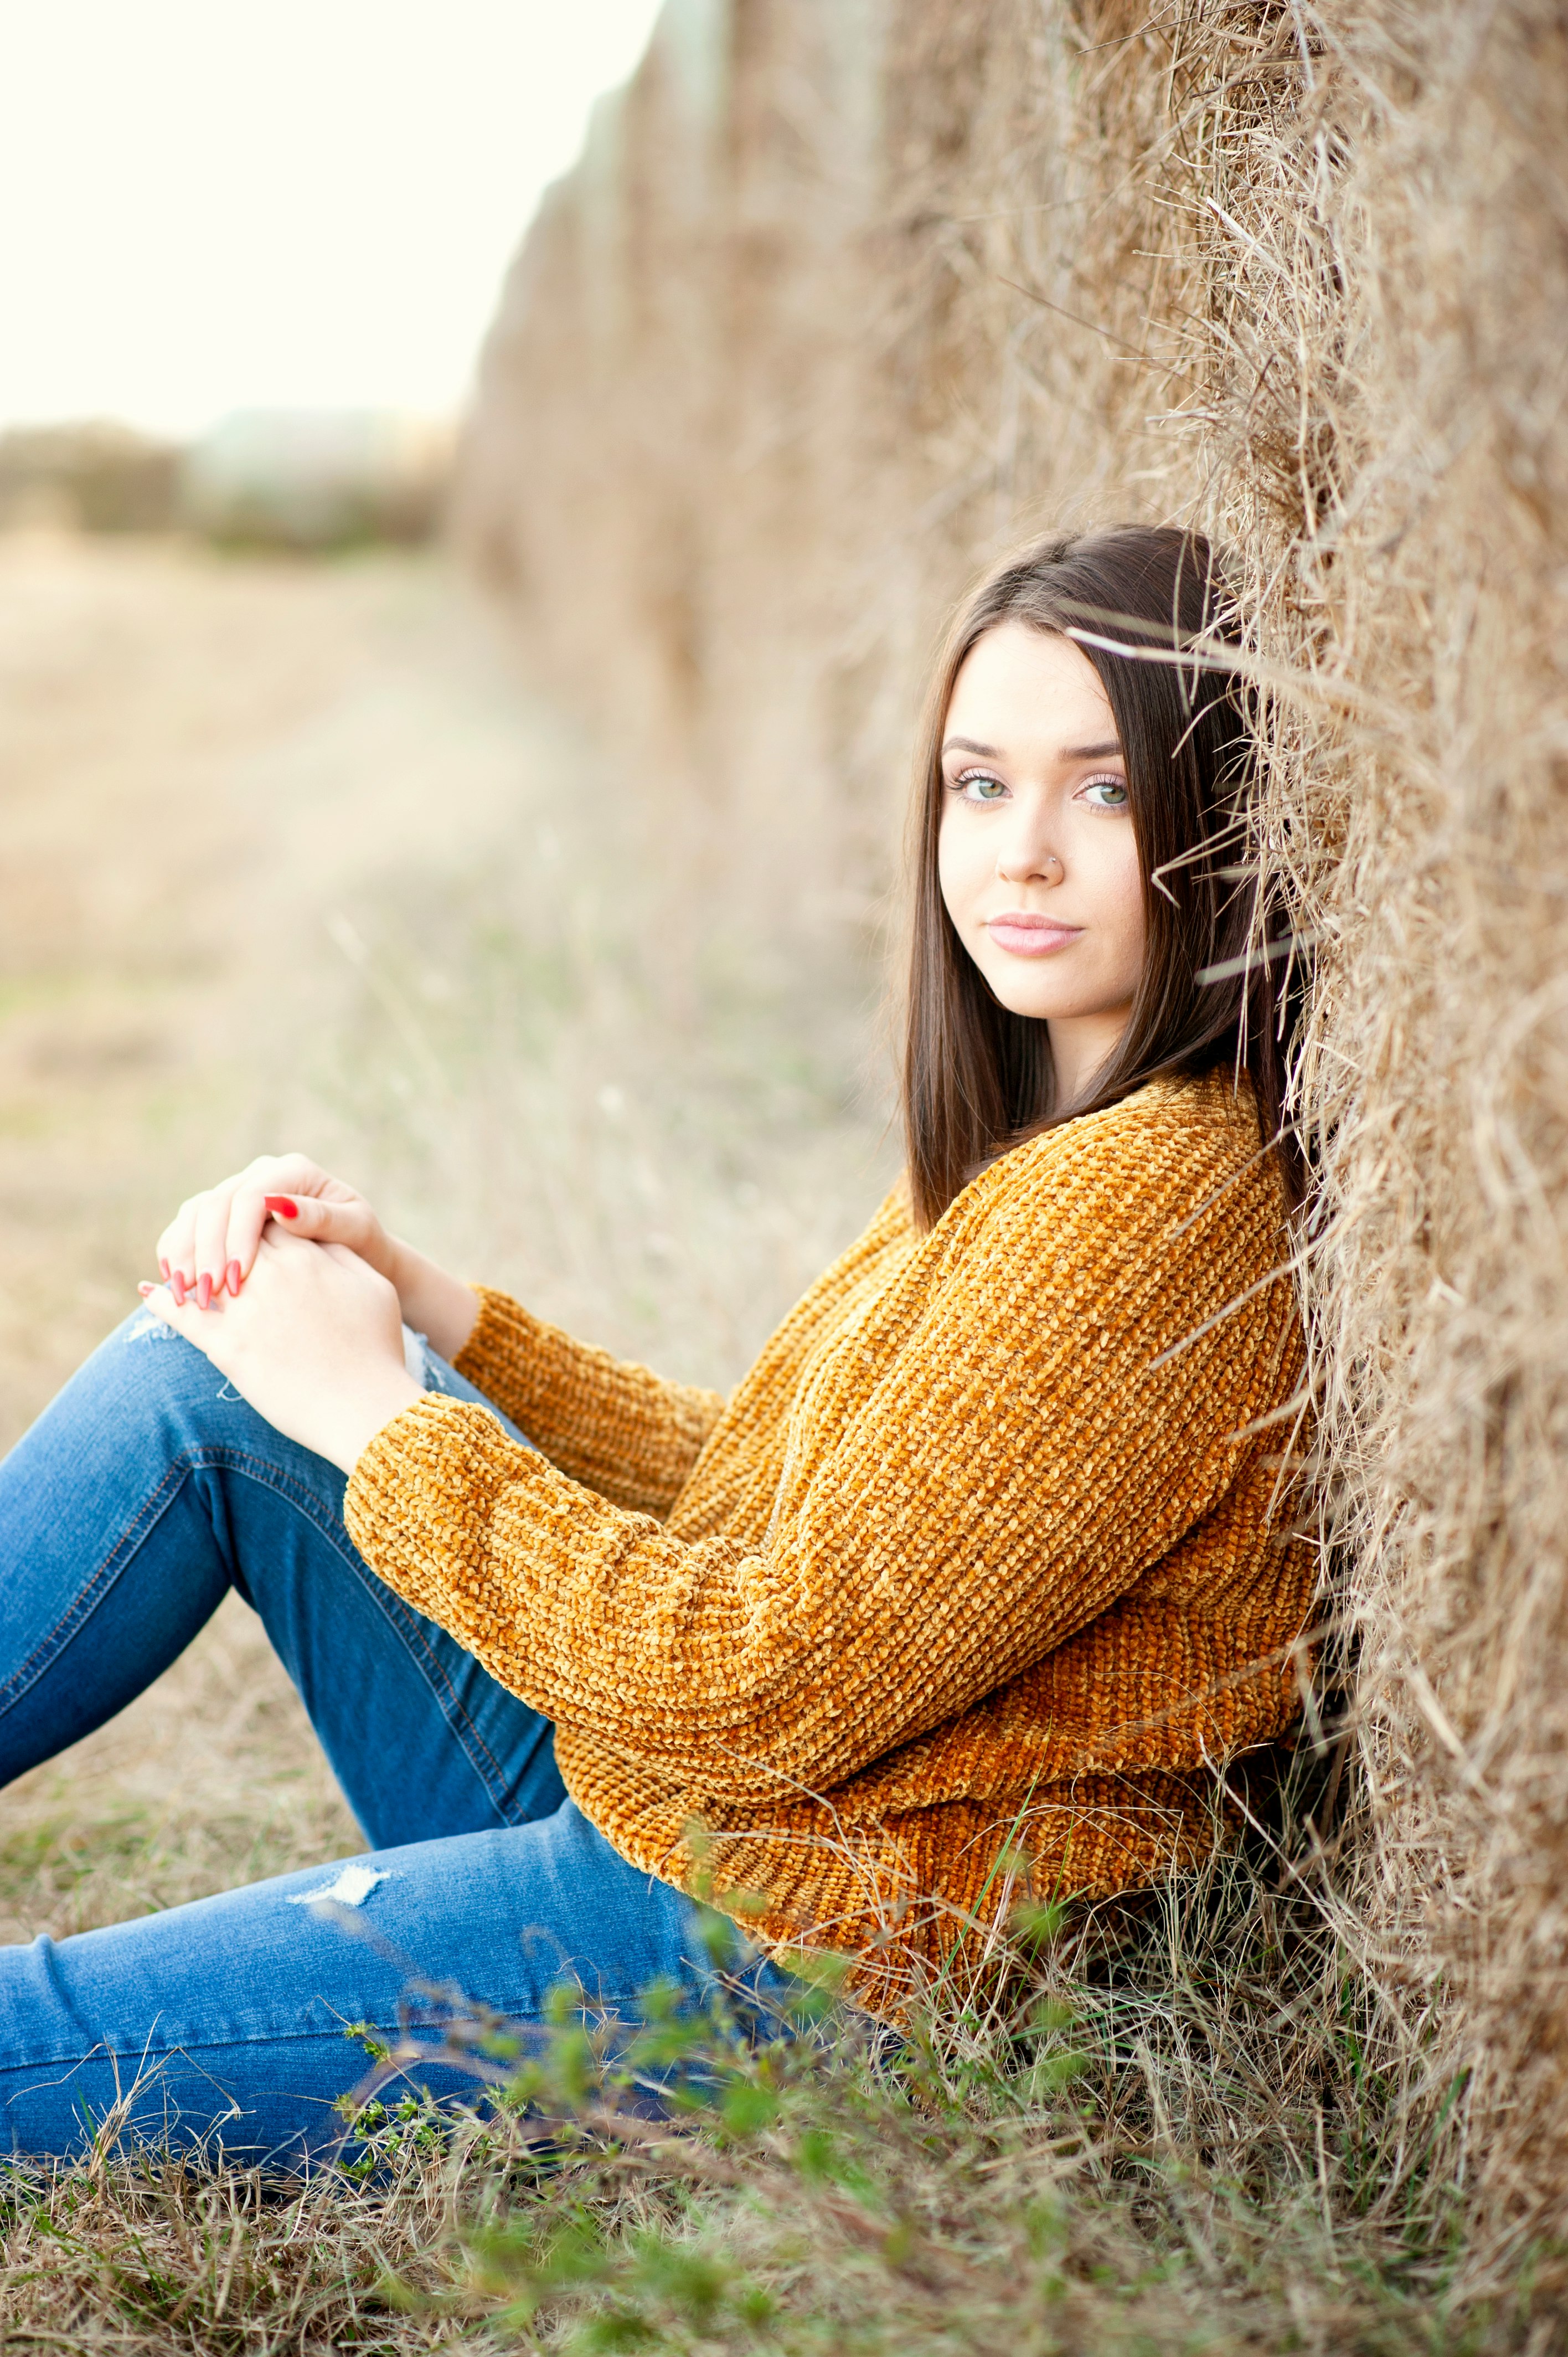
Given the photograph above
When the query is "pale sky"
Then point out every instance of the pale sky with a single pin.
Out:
(211, 204)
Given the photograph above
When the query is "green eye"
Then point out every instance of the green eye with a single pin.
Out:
(978, 786)
(1107, 793)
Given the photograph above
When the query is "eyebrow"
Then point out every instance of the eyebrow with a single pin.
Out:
(1069, 752)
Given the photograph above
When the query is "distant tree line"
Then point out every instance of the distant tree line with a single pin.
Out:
(308, 480)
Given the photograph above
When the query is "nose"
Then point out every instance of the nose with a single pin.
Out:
(1026, 859)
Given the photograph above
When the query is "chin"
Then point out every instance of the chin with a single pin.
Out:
(1036, 1005)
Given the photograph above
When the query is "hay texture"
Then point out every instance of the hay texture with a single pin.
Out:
(847, 294)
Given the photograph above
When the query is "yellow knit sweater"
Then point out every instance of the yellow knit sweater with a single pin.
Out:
(984, 1559)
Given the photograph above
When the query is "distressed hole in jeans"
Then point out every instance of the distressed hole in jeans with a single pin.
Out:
(352, 1888)
(149, 1328)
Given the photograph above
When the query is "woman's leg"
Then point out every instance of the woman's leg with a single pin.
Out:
(146, 1490)
(230, 2019)
(138, 1498)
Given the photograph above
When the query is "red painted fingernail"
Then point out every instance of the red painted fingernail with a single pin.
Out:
(176, 1286)
(145, 1289)
(236, 1279)
(163, 1270)
(204, 1291)
(283, 1206)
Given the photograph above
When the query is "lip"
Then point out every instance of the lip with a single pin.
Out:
(1026, 935)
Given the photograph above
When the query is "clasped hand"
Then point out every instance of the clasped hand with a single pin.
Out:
(288, 1282)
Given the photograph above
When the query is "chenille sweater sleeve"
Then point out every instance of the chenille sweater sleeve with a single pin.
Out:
(1026, 1420)
(606, 1422)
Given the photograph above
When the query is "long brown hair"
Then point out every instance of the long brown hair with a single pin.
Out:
(979, 1078)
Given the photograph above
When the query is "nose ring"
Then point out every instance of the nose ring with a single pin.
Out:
(1052, 861)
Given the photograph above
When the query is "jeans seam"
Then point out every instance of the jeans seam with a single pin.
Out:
(225, 1458)
(452, 1709)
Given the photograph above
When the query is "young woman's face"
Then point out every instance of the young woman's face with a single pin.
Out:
(1036, 855)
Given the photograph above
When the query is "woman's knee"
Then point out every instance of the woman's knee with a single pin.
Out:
(146, 1378)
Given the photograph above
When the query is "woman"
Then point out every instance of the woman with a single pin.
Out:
(961, 1594)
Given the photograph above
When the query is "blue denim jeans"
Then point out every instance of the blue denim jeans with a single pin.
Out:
(144, 1492)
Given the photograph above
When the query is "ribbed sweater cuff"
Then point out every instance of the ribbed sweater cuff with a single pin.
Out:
(489, 1358)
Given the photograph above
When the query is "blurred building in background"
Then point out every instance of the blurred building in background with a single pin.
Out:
(316, 477)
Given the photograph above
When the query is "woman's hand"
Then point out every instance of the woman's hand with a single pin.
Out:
(314, 1340)
(210, 1246)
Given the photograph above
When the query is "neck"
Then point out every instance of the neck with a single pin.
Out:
(1081, 1047)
